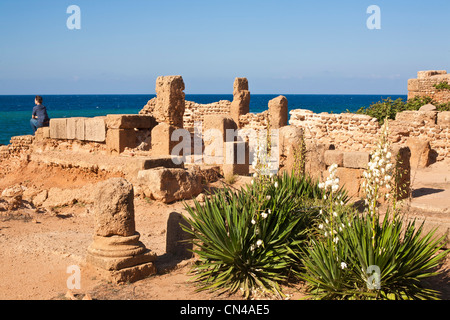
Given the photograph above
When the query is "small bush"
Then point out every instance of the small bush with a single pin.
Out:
(388, 108)
(442, 86)
(251, 240)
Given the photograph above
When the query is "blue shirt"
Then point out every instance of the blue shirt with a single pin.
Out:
(40, 112)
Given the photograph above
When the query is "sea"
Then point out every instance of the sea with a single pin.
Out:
(15, 110)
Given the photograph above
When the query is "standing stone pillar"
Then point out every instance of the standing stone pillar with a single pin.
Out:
(168, 111)
(401, 157)
(217, 130)
(116, 250)
(278, 112)
(170, 100)
(241, 99)
(237, 159)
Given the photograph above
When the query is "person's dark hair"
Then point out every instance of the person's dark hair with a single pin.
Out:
(39, 99)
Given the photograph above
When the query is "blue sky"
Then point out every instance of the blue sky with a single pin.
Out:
(315, 47)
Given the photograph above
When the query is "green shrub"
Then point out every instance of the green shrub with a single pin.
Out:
(348, 246)
(388, 108)
(442, 86)
(251, 239)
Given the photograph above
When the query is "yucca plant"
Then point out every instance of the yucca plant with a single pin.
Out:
(385, 262)
(251, 239)
(360, 256)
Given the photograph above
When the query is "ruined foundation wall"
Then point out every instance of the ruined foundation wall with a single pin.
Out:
(426, 126)
(354, 132)
(424, 85)
(195, 112)
(347, 131)
(254, 121)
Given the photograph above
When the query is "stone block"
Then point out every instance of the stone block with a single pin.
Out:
(443, 119)
(240, 106)
(241, 99)
(240, 84)
(45, 132)
(161, 161)
(177, 240)
(119, 139)
(130, 274)
(75, 128)
(95, 129)
(420, 152)
(169, 184)
(41, 134)
(315, 161)
(350, 179)
(278, 112)
(114, 208)
(401, 158)
(237, 159)
(162, 144)
(413, 85)
(130, 121)
(417, 118)
(170, 100)
(225, 124)
(429, 73)
(356, 159)
(428, 107)
(217, 129)
(58, 128)
(334, 157)
(290, 140)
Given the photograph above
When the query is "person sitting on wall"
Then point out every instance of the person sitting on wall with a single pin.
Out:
(39, 118)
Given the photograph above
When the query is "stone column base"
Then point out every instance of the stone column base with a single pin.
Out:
(121, 259)
(131, 274)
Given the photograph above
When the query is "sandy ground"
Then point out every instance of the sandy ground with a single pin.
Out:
(37, 247)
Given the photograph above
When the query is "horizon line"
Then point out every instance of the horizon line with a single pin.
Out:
(206, 94)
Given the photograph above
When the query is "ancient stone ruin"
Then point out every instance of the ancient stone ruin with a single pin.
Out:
(145, 147)
(116, 250)
(425, 85)
(140, 148)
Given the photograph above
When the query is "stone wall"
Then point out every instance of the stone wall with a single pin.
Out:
(354, 132)
(195, 112)
(347, 131)
(424, 85)
(18, 146)
(254, 121)
(110, 134)
(426, 126)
